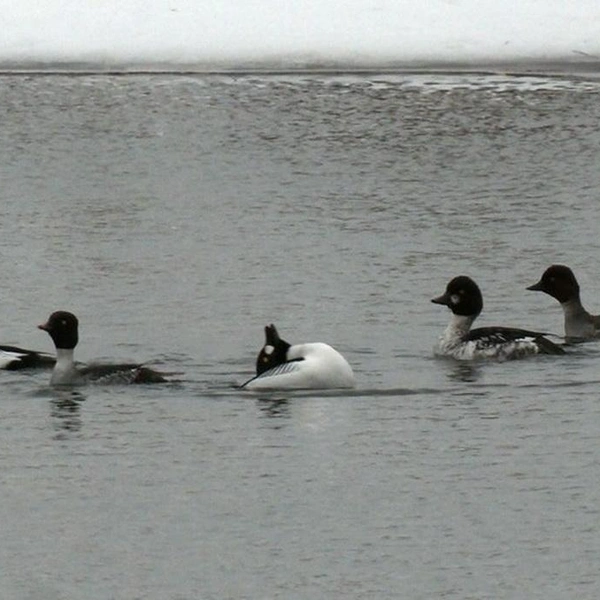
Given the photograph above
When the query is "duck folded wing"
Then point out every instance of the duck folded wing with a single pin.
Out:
(122, 373)
(492, 336)
(13, 358)
(277, 375)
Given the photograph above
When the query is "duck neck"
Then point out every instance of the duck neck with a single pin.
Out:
(573, 308)
(64, 372)
(458, 327)
(578, 322)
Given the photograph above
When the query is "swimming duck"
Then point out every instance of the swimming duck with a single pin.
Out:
(559, 282)
(62, 326)
(463, 297)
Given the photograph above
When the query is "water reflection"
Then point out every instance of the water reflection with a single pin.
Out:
(464, 372)
(65, 410)
(274, 407)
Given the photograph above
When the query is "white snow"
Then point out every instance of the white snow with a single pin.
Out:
(284, 33)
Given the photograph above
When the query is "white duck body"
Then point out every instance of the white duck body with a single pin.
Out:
(307, 366)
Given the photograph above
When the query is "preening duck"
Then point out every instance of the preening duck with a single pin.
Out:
(63, 328)
(559, 282)
(463, 297)
(283, 366)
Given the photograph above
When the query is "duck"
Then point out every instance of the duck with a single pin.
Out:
(463, 297)
(560, 282)
(283, 366)
(63, 328)
(13, 358)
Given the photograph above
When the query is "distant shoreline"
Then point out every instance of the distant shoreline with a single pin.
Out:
(559, 68)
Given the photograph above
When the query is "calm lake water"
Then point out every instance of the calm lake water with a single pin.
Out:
(177, 215)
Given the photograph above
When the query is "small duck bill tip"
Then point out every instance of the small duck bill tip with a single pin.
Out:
(536, 287)
(440, 300)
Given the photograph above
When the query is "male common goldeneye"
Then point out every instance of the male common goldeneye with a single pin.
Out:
(63, 329)
(13, 358)
(282, 366)
(559, 282)
(459, 341)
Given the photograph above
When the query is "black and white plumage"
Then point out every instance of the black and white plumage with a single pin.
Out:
(560, 282)
(63, 328)
(463, 297)
(13, 358)
(316, 365)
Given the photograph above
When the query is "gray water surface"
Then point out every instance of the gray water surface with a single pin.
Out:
(177, 215)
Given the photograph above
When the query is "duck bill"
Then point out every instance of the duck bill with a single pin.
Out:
(536, 287)
(443, 300)
(43, 326)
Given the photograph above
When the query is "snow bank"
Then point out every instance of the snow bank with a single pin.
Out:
(284, 34)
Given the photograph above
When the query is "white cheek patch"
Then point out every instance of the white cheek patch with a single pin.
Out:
(268, 350)
(455, 298)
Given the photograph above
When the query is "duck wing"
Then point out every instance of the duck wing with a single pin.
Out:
(276, 375)
(121, 374)
(13, 358)
(492, 336)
